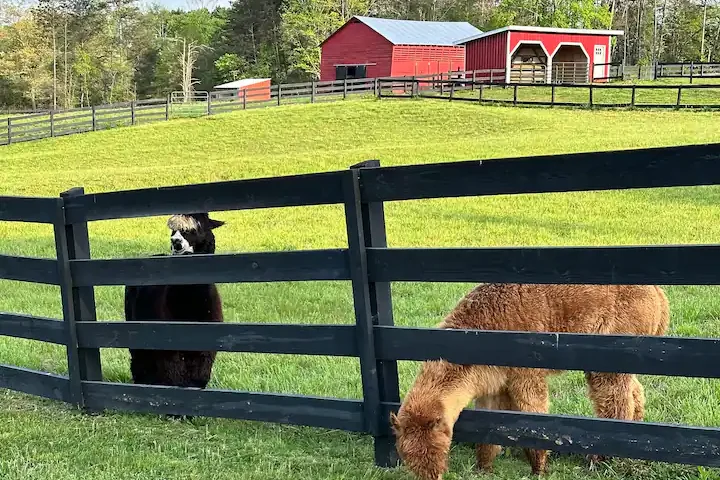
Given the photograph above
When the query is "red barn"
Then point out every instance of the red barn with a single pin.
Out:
(542, 54)
(367, 47)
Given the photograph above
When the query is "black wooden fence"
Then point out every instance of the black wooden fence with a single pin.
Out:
(705, 96)
(688, 70)
(371, 267)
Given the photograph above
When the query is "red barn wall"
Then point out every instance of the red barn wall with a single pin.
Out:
(356, 44)
(487, 52)
(409, 60)
(551, 42)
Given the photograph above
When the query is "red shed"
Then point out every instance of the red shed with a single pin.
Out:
(542, 54)
(367, 47)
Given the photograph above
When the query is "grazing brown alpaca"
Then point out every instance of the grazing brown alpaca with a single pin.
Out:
(424, 425)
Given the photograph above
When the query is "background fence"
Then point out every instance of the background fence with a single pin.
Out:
(688, 70)
(46, 124)
(371, 267)
(689, 96)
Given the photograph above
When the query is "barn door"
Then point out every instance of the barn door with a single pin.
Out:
(599, 58)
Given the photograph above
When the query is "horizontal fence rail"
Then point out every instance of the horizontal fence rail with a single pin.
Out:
(290, 191)
(27, 269)
(46, 385)
(328, 340)
(669, 356)
(646, 168)
(33, 328)
(285, 409)
(192, 269)
(566, 434)
(665, 265)
(27, 209)
(369, 266)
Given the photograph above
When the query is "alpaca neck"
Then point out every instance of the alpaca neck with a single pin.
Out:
(452, 387)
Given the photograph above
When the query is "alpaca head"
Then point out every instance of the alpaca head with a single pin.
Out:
(192, 233)
(423, 441)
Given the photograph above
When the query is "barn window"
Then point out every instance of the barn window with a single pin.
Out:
(350, 71)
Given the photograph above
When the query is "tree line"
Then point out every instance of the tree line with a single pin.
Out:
(69, 53)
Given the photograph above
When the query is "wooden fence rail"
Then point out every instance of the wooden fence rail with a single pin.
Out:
(371, 267)
(546, 94)
(46, 124)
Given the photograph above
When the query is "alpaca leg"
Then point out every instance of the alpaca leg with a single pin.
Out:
(614, 396)
(638, 393)
(485, 453)
(529, 393)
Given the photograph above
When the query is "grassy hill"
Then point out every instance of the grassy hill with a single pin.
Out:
(46, 440)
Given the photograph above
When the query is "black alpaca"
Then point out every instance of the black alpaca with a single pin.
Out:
(191, 234)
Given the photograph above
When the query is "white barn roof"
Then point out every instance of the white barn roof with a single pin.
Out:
(245, 82)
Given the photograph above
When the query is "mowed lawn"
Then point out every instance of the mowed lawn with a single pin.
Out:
(42, 439)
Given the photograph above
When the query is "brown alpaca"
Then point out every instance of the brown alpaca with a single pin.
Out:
(424, 425)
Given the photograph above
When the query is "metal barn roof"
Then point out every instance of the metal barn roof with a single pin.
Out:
(414, 32)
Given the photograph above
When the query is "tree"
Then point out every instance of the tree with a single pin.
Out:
(230, 67)
(25, 60)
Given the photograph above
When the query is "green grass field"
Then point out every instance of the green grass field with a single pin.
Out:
(42, 439)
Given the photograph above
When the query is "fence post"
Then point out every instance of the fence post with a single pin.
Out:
(591, 96)
(679, 96)
(9, 129)
(167, 108)
(480, 92)
(702, 70)
(312, 91)
(52, 123)
(552, 95)
(632, 96)
(132, 112)
(244, 99)
(373, 306)
(94, 119)
(79, 301)
(376, 88)
(209, 105)
(515, 89)
(344, 88)
(472, 87)
(279, 99)
(68, 306)
(692, 67)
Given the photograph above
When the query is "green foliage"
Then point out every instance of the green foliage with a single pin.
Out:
(552, 13)
(306, 23)
(94, 50)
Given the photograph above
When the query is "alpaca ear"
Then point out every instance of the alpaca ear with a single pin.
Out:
(394, 422)
(215, 224)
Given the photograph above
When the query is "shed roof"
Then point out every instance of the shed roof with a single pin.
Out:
(242, 83)
(520, 28)
(414, 32)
